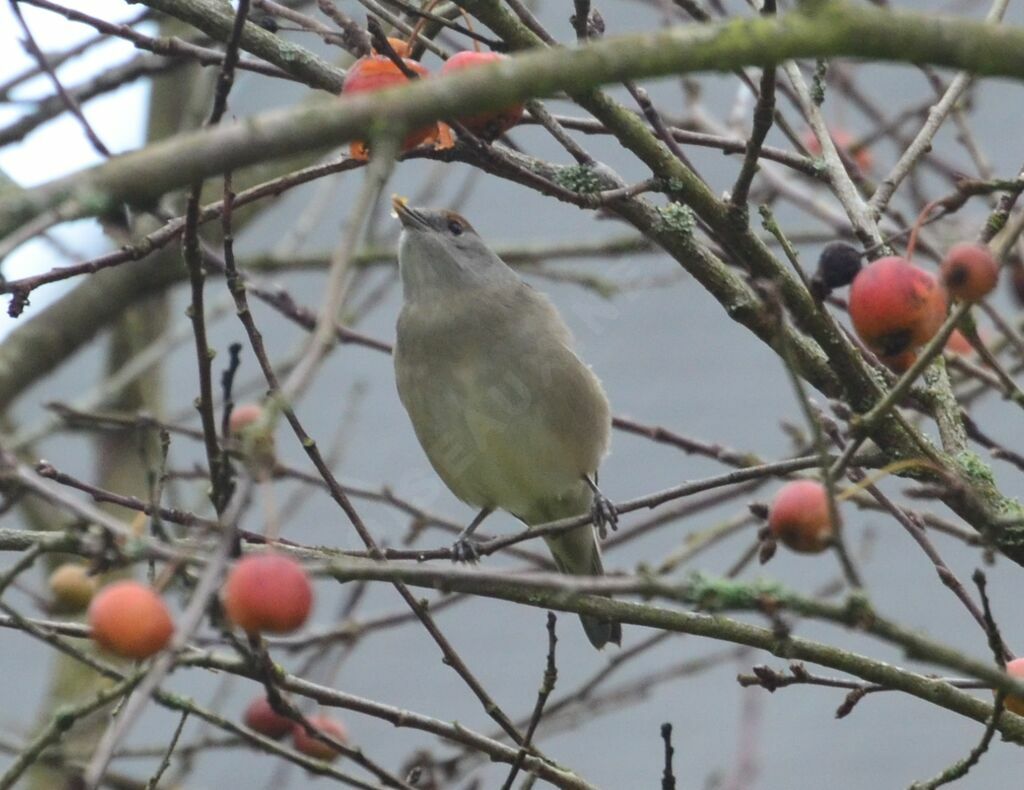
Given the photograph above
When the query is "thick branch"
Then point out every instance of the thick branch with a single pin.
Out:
(833, 31)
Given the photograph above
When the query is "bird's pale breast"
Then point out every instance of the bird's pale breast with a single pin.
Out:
(508, 415)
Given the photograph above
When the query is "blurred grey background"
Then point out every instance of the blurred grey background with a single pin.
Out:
(669, 356)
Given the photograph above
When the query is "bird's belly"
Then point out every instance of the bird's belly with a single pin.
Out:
(491, 445)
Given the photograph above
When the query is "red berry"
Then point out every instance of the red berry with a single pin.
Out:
(799, 516)
(489, 125)
(959, 344)
(1015, 669)
(130, 619)
(896, 306)
(969, 271)
(373, 73)
(308, 745)
(268, 593)
(260, 716)
(842, 140)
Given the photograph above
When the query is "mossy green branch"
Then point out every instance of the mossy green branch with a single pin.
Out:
(835, 30)
(216, 20)
(859, 385)
(551, 591)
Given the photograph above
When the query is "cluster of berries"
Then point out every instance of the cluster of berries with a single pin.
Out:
(896, 306)
(375, 71)
(266, 593)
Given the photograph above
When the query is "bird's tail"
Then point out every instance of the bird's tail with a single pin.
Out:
(576, 553)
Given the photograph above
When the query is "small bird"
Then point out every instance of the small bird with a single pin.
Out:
(509, 417)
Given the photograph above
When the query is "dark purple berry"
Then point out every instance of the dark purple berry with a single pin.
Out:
(837, 266)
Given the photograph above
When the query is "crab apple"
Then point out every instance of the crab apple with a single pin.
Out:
(129, 619)
(799, 516)
(843, 140)
(373, 73)
(896, 306)
(72, 587)
(268, 593)
(310, 746)
(1015, 669)
(260, 716)
(491, 125)
(969, 271)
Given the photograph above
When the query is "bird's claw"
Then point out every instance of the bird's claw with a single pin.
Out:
(465, 550)
(604, 515)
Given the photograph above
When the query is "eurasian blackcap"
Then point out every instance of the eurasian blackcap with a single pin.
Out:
(508, 415)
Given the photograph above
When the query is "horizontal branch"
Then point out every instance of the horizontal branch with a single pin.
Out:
(577, 594)
(833, 30)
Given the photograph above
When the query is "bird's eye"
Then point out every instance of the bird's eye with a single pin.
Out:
(455, 227)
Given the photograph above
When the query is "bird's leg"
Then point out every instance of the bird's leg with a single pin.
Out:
(464, 550)
(602, 511)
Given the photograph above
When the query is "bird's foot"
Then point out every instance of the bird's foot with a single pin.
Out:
(465, 550)
(604, 515)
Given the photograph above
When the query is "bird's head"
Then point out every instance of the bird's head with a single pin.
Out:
(440, 250)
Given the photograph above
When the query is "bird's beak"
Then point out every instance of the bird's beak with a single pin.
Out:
(407, 215)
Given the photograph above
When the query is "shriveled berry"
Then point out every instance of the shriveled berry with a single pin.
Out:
(838, 264)
(72, 587)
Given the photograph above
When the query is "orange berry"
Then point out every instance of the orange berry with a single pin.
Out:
(373, 73)
(260, 716)
(130, 619)
(969, 271)
(896, 306)
(72, 587)
(268, 593)
(1015, 669)
(308, 745)
(799, 516)
(491, 125)
(400, 46)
